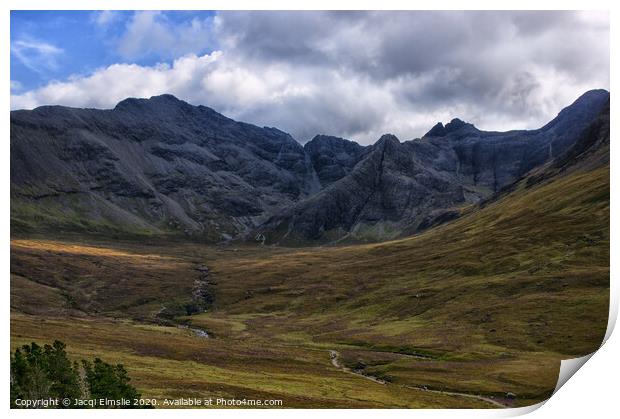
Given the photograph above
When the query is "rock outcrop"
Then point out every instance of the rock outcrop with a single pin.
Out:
(400, 188)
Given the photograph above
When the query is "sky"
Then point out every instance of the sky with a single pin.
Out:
(351, 74)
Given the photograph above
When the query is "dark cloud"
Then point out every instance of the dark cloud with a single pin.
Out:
(506, 64)
(360, 74)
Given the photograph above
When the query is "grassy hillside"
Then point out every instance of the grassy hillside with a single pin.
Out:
(548, 244)
(484, 305)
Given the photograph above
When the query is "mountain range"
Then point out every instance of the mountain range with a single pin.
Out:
(161, 166)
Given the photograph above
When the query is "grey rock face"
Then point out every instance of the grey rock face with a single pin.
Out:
(393, 186)
(162, 166)
(400, 188)
(333, 157)
(590, 151)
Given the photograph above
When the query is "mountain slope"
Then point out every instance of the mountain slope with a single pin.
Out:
(161, 166)
(420, 181)
(151, 165)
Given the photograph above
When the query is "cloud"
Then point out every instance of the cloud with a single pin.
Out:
(151, 33)
(15, 86)
(359, 74)
(103, 90)
(37, 55)
(103, 18)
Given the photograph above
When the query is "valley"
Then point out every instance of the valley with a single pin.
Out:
(485, 305)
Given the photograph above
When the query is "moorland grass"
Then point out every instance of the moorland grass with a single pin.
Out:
(486, 304)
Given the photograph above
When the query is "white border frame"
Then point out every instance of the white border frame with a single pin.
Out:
(592, 392)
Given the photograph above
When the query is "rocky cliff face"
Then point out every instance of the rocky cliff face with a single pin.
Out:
(333, 158)
(400, 188)
(162, 166)
(158, 165)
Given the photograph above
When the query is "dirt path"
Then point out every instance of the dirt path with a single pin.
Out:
(335, 360)
(453, 393)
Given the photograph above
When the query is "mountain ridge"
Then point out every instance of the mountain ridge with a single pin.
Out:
(458, 166)
(163, 166)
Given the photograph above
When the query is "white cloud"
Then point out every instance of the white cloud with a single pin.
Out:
(151, 33)
(36, 55)
(359, 75)
(102, 89)
(15, 86)
(104, 18)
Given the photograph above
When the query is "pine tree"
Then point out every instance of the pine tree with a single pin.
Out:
(46, 372)
(108, 382)
(42, 373)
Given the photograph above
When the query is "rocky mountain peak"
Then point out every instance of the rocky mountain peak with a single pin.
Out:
(455, 124)
(438, 130)
(592, 96)
(328, 141)
(163, 165)
(387, 140)
(586, 106)
(140, 104)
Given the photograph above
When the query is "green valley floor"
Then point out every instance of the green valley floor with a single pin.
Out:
(476, 313)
